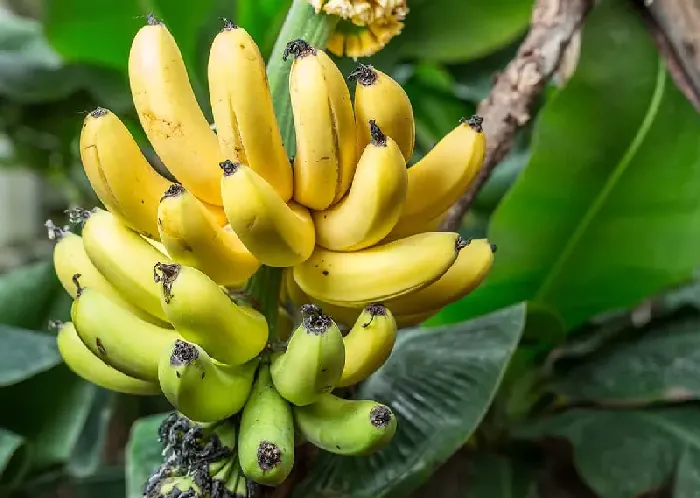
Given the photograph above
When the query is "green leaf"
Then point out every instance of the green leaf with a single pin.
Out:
(662, 363)
(86, 456)
(143, 453)
(624, 453)
(588, 224)
(25, 353)
(439, 383)
(26, 295)
(106, 483)
(687, 482)
(263, 19)
(457, 31)
(493, 475)
(12, 456)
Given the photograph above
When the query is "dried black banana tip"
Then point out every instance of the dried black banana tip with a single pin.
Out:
(55, 325)
(174, 190)
(229, 167)
(151, 20)
(228, 24)
(380, 416)
(78, 215)
(365, 75)
(55, 232)
(166, 274)
(269, 456)
(461, 243)
(99, 112)
(314, 320)
(298, 48)
(76, 281)
(474, 123)
(183, 353)
(494, 248)
(376, 309)
(377, 136)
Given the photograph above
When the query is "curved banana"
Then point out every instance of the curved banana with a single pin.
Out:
(444, 174)
(313, 362)
(368, 344)
(124, 258)
(117, 337)
(266, 434)
(277, 233)
(379, 273)
(113, 160)
(379, 97)
(378, 191)
(70, 258)
(193, 238)
(169, 112)
(203, 313)
(89, 367)
(346, 426)
(240, 97)
(411, 226)
(469, 270)
(325, 127)
(201, 388)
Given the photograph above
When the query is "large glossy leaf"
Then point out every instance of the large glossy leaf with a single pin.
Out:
(624, 453)
(25, 353)
(86, 456)
(37, 281)
(606, 211)
(457, 31)
(661, 364)
(439, 382)
(491, 476)
(12, 455)
(687, 482)
(143, 454)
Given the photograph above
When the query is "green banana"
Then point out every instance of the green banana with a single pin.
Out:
(201, 388)
(266, 435)
(313, 361)
(346, 426)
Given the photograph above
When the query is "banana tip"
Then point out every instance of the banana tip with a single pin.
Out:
(377, 136)
(166, 274)
(229, 167)
(173, 190)
(228, 24)
(183, 353)
(365, 75)
(475, 123)
(461, 243)
(298, 48)
(98, 113)
(380, 416)
(314, 320)
(269, 455)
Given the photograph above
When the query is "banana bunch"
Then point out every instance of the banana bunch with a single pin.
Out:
(160, 278)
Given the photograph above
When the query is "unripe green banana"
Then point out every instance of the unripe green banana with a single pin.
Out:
(313, 362)
(204, 314)
(266, 435)
(201, 388)
(346, 426)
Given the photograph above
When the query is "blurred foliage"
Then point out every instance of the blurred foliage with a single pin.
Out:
(594, 210)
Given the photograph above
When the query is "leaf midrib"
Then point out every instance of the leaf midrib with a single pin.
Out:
(610, 184)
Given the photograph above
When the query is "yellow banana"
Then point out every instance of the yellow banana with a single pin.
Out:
(112, 159)
(277, 233)
(70, 258)
(378, 191)
(242, 106)
(325, 127)
(124, 258)
(117, 337)
(346, 426)
(169, 112)
(368, 344)
(266, 435)
(201, 388)
(203, 313)
(444, 174)
(89, 367)
(313, 361)
(193, 238)
(379, 273)
(411, 226)
(379, 97)
(468, 271)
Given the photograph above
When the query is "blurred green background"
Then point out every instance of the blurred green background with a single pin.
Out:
(591, 304)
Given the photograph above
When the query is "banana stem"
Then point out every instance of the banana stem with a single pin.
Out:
(301, 22)
(264, 288)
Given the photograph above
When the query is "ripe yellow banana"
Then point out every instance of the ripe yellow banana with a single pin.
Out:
(70, 258)
(242, 106)
(193, 238)
(201, 388)
(89, 367)
(379, 97)
(124, 258)
(379, 273)
(368, 344)
(277, 233)
(468, 271)
(203, 313)
(169, 112)
(325, 127)
(411, 226)
(444, 174)
(346, 426)
(378, 192)
(313, 362)
(113, 161)
(266, 435)
(117, 337)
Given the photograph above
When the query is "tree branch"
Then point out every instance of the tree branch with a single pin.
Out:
(507, 108)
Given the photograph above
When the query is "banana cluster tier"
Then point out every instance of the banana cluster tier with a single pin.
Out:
(160, 276)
